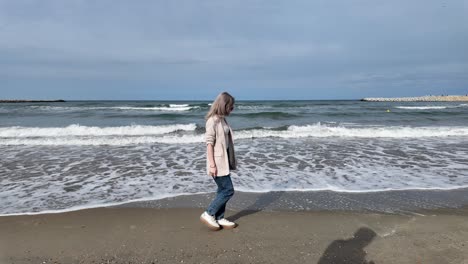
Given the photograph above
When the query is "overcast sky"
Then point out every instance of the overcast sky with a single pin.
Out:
(254, 49)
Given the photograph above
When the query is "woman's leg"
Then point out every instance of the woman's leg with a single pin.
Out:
(224, 193)
(220, 213)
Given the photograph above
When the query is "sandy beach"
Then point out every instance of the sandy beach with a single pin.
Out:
(149, 235)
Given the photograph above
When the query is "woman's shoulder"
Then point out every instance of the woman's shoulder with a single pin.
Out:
(213, 119)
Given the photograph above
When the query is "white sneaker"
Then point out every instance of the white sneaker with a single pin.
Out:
(226, 223)
(209, 221)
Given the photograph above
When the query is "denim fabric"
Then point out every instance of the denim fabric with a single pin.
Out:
(224, 193)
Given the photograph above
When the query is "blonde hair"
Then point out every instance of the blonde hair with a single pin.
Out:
(221, 106)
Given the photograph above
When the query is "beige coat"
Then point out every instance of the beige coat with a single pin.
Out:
(215, 135)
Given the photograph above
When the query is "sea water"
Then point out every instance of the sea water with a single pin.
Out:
(79, 154)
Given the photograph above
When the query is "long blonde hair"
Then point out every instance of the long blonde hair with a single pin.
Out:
(221, 106)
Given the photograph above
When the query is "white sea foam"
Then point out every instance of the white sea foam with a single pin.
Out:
(421, 107)
(89, 131)
(99, 205)
(319, 130)
(253, 107)
(128, 135)
(178, 105)
(171, 107)
(114, 141)
(67, 178)
(157, 108)
(430, 107)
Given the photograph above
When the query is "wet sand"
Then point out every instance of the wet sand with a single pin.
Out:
(175, 235)
(395, 202)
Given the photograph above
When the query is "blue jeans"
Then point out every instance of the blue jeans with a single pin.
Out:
(224, 193)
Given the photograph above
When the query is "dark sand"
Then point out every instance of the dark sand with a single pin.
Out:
(148, 235)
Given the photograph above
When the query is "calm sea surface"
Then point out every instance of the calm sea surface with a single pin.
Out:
(79, 154)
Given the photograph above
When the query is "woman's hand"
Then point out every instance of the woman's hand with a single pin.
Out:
(210, 151)
(213, 171)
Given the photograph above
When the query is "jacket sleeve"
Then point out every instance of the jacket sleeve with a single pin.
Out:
(210, 135)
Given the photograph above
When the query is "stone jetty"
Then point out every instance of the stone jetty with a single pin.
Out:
(428, 98)
(31, 101)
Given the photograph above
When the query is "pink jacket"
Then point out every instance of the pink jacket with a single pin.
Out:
(215, 135)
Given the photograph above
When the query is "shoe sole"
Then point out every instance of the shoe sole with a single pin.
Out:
(229, 227)
(214, 228)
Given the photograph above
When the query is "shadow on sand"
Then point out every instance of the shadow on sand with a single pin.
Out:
(259, 205)
(349, 250)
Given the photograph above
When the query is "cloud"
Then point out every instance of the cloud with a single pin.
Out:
(338, 44)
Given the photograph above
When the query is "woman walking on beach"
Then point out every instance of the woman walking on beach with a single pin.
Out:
(220, 160)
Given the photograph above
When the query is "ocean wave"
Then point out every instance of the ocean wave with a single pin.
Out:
(319, 130)
(170, 107)
(152, 115)
(430, 107)
(271, 115)
(80, 135)
(157, 108)
(253, 107)
(97, 141)
(89, 131)
(421, 107)
(178, 105)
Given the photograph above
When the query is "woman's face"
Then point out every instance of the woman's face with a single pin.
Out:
(230, 109)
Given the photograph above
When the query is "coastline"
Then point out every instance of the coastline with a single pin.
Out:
(32, 101)
(430, 98)
(389, 201)
(393, 201)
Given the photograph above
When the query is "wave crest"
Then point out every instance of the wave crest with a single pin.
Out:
(430, 107)
(319, 130)
(90, 131)
(82, 135)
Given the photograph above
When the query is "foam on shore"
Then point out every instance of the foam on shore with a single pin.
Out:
(60, 177)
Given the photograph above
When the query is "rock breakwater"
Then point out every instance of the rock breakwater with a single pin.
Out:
(428, 98)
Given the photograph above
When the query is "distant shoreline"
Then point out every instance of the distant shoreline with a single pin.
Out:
(32, 101)
(441, 98)
(429, 98)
